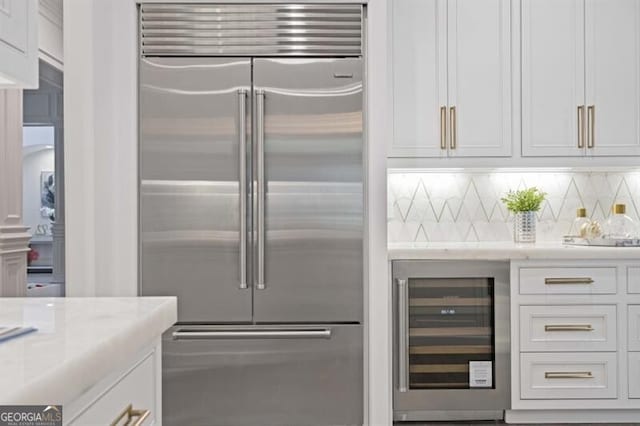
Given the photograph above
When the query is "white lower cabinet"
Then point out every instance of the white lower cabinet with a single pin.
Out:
(129, 395)
(634, 328)
(568, 328)
(575, 341)
(633, 279)
(634, 375)
(568, 376)
(568, 280)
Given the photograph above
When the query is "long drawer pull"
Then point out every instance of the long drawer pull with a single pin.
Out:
(324, 333)
(568, 327)
(131, 414)
(568, 375)
(580, 280)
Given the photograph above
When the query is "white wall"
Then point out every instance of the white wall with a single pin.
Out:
(100, 113)
(32, 165)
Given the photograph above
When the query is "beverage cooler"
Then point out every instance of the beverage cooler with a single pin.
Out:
(451, 340)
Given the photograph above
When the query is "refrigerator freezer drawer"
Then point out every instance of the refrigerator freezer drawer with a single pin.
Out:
(263, 375)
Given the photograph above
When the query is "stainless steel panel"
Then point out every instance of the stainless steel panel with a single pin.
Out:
(264, 381)
(313, 197)
(251, 29)
(191, 133)
(455, 404)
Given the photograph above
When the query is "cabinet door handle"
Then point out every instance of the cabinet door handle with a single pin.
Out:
(568, 375)
(580, 280)
(591, 119)
(443, 127)
(130, 414)
(568, 327)
(580, 126)
(453, 124)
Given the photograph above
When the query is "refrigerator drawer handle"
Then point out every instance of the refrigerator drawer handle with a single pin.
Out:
(242, 148)
(252, 334)
(260, 285)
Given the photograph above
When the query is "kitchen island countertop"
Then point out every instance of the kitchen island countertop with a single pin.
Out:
(78, 342)
(507, 251)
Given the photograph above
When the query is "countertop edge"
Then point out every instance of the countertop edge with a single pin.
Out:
(559, 252)
(80, 373)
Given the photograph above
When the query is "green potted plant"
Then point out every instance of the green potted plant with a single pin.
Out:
(524, 204)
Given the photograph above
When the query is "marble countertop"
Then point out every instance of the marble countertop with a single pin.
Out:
(79, 341)
(507, 251)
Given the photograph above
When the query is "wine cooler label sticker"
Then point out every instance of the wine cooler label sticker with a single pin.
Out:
(480, 374)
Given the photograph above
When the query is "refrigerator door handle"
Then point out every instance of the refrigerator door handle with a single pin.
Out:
(242, 133)
(321, 333)
(260, 285)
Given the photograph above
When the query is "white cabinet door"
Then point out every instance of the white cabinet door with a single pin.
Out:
(612, 29)
(479, 83)
(634, 375)
(552, 76)
(568, 375)
(419, 77)
(18, 44)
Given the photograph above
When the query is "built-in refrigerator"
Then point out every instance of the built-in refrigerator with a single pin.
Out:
(251, 209)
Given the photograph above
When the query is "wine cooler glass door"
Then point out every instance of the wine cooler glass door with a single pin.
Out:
(451, 335)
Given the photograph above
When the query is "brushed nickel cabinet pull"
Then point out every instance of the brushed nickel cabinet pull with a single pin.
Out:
(568, 375)
(443, 127)
(130, 414)
(580, 126)
(568, 327)
(580, 280)
(591, 118)
(453, 124)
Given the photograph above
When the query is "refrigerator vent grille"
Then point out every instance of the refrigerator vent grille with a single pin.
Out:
(251, 30)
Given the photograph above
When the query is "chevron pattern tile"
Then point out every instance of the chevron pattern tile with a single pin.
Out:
(466, 206)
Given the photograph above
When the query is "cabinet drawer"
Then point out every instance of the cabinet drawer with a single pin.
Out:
(136, 387)
(568, 375)
(568, 328)
(634, 327)
(634, 375)
(561, 280)
(633, 279)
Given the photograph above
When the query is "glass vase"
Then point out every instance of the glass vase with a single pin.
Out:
(524, 227)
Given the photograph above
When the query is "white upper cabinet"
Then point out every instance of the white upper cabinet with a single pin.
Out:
(18, 44)
(479, 78)
(580, 77)
(419, 76)
(613, 77)
(553, 104)
(451, 78)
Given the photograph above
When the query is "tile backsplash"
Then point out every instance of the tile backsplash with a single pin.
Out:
(465, 206)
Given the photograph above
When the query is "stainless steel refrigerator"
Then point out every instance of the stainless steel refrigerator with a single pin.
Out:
(251, 209)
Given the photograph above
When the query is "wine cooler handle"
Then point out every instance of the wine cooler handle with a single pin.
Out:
(403, 335)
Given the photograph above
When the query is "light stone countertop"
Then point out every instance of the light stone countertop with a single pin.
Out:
(79, 342)
(507, 251)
